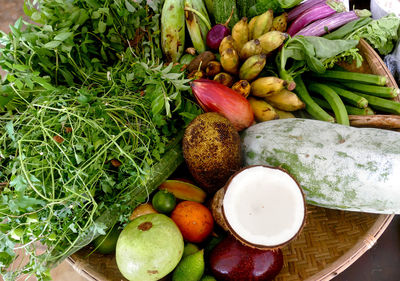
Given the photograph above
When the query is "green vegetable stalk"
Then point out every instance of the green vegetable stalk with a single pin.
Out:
(173, 29)
(197, 22)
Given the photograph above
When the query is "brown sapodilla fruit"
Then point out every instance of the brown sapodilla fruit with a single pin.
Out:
(211, 148)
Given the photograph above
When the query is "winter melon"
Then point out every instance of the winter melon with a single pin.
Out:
(339, 167)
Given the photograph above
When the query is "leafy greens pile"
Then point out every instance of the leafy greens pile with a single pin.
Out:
(303, 53)
(382, 34)
(90, 121)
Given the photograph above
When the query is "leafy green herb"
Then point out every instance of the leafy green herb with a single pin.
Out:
(302, 53)
(382, 33)
(86, 87)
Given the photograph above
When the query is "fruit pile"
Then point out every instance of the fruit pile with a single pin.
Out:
(240, 64)
(229, 230)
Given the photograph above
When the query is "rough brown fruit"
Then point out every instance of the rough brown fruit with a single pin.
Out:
(211, 148)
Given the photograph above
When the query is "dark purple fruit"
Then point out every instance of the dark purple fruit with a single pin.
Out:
(233, 261)
(217, 33)
(215, 36)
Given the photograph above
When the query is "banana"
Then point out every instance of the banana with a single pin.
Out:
(285, 100)
(213, 68)
(251, 27)
(230, 61)
(224, 79)
(284, 114)
(240, 33)
(262, 110)
(263, 24)
(242, 87)
(271, 40)
(226, 43)
(265, 86)
(252, 67)
(279, 23)
(251, 48)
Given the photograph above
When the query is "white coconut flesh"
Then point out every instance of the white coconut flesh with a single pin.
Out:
(264, 206)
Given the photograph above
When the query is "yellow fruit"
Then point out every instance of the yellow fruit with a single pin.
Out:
(265, 86)
(240, 33)
(263, 111)
(285, 100)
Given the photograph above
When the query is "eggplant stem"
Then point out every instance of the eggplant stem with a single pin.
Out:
(229, 19)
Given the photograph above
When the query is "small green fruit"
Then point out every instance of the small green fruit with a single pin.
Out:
(106, 244)
(190, 249)
(190, 268)
(164, 201)
(208, 278)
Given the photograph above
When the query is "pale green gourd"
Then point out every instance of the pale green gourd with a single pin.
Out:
(339, 167)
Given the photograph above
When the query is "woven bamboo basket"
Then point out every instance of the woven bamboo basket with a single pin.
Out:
(330, 242)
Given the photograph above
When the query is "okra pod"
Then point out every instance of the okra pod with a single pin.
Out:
(350, 109)
(378, 91)
(348, 96)
(311, 106)
(334, 101)
(382, 104)
(378, 80)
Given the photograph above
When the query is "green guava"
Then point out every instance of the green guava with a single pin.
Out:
(149, 248)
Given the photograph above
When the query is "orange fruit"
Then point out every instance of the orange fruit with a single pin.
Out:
(194, 220)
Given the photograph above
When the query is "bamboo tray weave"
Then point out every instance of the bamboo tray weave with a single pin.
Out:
(330, 242)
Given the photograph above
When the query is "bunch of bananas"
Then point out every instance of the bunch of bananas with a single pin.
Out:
(243, 56)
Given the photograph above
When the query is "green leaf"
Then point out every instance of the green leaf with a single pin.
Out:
(52, 44)
(157, 105)
(102, 26)
(42, 82)
(63, 36)
(10, 130)
(129, 6)
(36, 16)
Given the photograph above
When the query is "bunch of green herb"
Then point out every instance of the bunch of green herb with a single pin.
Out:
(90, 123)
(382, 34)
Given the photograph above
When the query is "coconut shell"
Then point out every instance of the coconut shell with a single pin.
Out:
(217, 210)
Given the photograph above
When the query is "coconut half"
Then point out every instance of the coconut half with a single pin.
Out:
(263, 207)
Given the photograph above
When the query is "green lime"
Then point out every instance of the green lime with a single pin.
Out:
(164, 201)
(106, 244)
(190, 249)
(208, 278)
(190, 268)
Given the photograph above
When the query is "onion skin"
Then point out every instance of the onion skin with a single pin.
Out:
(215, 36)
(215, 97)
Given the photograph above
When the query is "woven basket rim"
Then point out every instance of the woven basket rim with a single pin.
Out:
(349, 257)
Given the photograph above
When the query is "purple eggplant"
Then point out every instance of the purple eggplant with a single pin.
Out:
(298, 10)
(322, 26)
(319, 11)
(217, 33)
